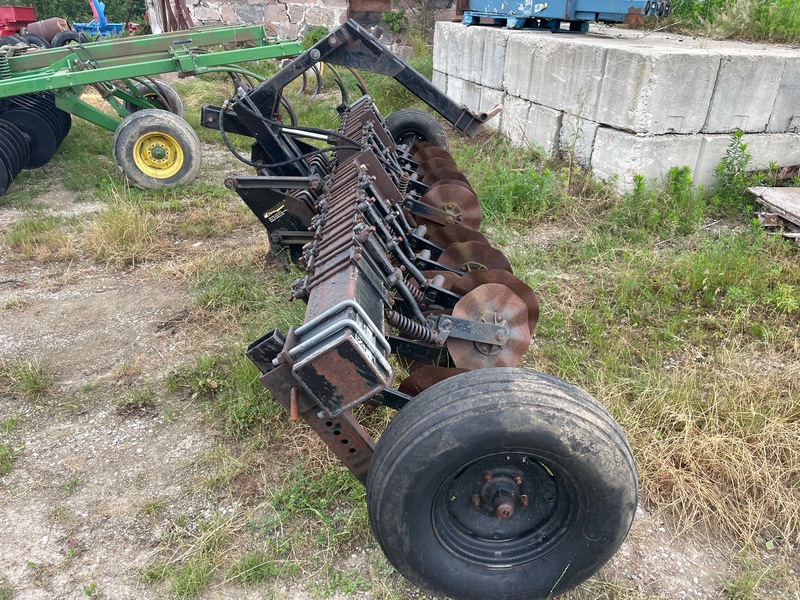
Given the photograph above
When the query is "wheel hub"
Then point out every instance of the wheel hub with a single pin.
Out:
(158, 155)
(501, 493)
(502, 509)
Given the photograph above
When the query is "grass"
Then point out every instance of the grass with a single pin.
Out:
(123, 234)
(28, 378)
(758, 20)
(665, 303)
(41, 238)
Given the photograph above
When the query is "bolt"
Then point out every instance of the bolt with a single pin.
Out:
(501, 336)
(487, 476)
(523, 501)
(476, 500)
(518, 478)
(503, 507)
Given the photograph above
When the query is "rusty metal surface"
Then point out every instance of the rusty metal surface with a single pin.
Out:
(474, 256)
(425, 376)
(474, 279)
(443, 175)
(433, 152)
(431, 164)
(458, 201)
(497, 304)
(456, 233)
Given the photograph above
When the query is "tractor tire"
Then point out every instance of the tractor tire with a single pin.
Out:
(501, 483)
(156, 149)
(35, 40)
(409, 126)
(68, 38)
(164, 97)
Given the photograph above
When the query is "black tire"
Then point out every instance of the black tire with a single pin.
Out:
(35, 40)
(66, 38)
(11, 40)
(155, 149)
(409, 126)
(165, 98)
(574, 466)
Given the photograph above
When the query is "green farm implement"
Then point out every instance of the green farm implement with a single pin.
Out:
(153, 145)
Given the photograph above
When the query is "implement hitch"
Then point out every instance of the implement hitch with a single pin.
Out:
(491, 481)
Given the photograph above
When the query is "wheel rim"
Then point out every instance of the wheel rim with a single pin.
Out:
(504, 510)
(158, 155)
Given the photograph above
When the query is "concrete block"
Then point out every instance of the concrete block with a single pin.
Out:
(455, 89)
(439, 79)
(577, 136)
(465, 48)
(745, 92)
(782, 149)
(489, 99)
(566, 75)
(544, 128)
(471, 98)
(785, 115)
(515, 119)
(712, 149)
(520, 51)
(441, 50)
(645, 90)
(626, 154)
(492, 63)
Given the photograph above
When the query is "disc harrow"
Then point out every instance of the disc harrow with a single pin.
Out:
(31, 130)
(40, 88)
(515, 484)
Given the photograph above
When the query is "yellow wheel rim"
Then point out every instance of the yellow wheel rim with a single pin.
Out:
(158, 155)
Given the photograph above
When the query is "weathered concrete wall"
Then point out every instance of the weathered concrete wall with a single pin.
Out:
(625, 103)
(287, 20)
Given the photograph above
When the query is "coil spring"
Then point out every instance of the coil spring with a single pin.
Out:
(418, 294)
(410, 328)
(403, 184)
(5, 68)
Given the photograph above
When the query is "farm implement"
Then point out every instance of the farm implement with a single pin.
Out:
(492, 481)
(152, 144)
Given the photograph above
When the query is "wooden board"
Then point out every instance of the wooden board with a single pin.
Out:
(783, 201)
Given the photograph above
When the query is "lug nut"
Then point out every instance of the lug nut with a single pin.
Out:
(518, 478)
(476, 500)
(487, 476)
(523, 501)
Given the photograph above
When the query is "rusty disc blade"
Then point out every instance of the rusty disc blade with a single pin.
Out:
(432, 152)
(463, 184)
(454, 234)
(496, 304)
(416, 147)
(457, 201)
(473, 279)
(474, 256)
(450, 278)
(435, 163)
(444, 173)
(425, 376)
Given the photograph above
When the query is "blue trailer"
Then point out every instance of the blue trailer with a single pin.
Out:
(550, 14)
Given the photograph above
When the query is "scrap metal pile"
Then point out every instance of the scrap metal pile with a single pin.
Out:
(491, 481)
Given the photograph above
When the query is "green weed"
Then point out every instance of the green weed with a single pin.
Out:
(6, 459)
(253, 567)
(123, 234)
(40, 237)
(29, 378)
